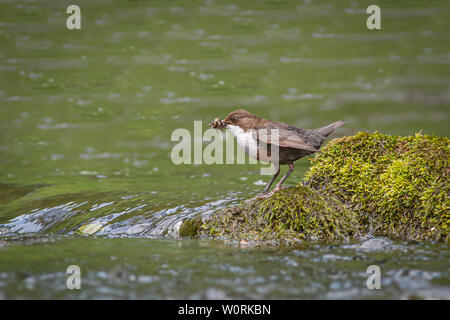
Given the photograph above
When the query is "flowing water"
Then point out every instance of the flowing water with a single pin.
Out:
(86, 118)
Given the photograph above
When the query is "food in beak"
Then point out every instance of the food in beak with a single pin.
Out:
(217, 124)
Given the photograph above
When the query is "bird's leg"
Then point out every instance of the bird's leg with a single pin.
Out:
(266, 192)
(278, 186)
(273, 179)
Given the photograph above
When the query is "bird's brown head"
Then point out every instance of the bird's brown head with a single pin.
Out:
(243, 119)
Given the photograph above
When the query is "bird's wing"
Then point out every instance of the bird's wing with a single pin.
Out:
(285, 138)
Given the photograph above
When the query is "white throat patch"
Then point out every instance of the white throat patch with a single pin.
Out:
(245, 140)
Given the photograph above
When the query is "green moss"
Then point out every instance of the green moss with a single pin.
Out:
(397, 185)
(308, 213)
(190, 227)
(291, 215)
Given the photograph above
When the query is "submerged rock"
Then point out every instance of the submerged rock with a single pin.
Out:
(357, 186)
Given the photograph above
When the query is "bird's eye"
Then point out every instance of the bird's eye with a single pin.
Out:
(235, 119)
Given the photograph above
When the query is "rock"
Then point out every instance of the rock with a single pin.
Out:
(359, 185)
(190, 227)
(397, 186)
(289, 216)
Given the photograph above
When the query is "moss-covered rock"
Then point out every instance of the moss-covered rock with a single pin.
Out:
(397, 185)
(291, 215)
(366, 183)
(190, 227)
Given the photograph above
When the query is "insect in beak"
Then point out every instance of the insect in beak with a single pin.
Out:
(217, 124)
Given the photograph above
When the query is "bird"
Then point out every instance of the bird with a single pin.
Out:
(257, 135)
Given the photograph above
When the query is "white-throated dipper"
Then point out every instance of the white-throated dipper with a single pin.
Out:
(256, 136)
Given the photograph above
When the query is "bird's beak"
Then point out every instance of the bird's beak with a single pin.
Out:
(225, 123)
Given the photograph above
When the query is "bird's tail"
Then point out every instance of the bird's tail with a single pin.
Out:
(325, 131)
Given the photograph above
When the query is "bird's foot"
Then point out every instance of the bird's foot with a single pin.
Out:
(267, 194)
(278, 188)
(263, 195)
(260, 196)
